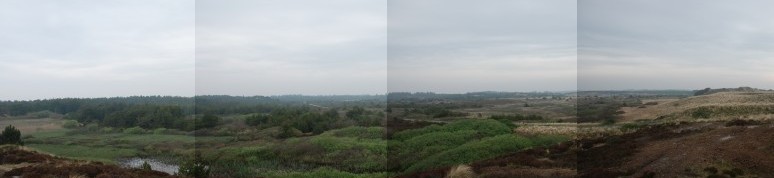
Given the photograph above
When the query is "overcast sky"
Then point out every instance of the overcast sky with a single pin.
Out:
(666, 44)
(90, 48)
(455, 46)
(274, 47)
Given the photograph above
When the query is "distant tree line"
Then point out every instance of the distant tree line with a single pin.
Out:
(69, 105)
(708, 91)
(192, 113)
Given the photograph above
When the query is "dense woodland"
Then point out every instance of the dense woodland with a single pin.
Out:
(191, 113)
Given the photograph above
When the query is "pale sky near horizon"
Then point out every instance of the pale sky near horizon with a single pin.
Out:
(91, 48)
(457, 46)
(664, 44)
(274, 47)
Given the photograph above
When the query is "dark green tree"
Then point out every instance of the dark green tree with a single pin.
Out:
(208, 121)
(11, 135)
(146, 166)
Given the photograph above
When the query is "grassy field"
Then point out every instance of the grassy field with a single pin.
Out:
(724, 106)
(108, 147)
(28, 125)
(102, 154)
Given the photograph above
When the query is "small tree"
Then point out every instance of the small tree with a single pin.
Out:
(197, 167)
(70, 124)
(11, 135)
(208, 121)
(146, 166)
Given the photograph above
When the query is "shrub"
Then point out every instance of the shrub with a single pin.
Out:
(146, 166)
(159, 131)
(702, 112)
(93, 127)
(287, 132)
(134, 130)
(423, 146)
(107, 130)
(630, 126)
(359, 132)
(507, 122)
(256, 119)
(207, 121)
(70, 124)
(483, 149)
(11, 135)
(485, 128)
(194, 169)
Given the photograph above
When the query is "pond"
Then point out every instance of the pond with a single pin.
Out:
(155, 164)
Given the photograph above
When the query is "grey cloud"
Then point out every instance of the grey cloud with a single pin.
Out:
(291, 47)
(96, 48)
(675, 44)
(462, 46)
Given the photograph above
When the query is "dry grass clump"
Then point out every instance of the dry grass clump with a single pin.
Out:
(461, 171)
(546, 130)
(597, 132)
(576, 132)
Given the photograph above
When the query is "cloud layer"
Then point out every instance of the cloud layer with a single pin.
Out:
(493, 45)
(88, 48)
(52, 49)
(277, 47)
(662, 44)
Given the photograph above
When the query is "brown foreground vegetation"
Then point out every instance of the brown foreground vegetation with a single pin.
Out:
(737, 148)
(17, 161)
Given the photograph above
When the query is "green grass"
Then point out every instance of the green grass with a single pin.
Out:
(49, 134)
(423, 146)
(484, 149)
(484, 127)
(345, 152)
(107, 147)
(357, 131)
(62, 136)
(102, 154)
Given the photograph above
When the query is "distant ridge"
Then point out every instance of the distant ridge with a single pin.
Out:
(708, 91)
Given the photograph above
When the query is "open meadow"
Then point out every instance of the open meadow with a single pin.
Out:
(596, 134)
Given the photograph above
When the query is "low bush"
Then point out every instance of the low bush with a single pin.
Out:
(483, 149)
(159, 131)
(134, 130)
(70, 124)
(485, 128)
(420, 147)
(107, 130)
(702, 112)
(359, 132)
